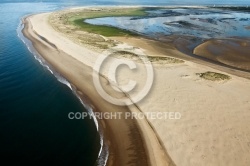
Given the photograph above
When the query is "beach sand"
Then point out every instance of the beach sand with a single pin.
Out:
(128, 145)
(232, 52)
(200, 54)
(214, 126)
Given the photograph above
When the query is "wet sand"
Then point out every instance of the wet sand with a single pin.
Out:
(214, 127)
(181, 47)
(128, 145)
(232, 52)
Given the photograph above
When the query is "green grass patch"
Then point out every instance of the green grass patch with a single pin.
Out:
(126, 54)
(214, 76)
(164, 59)
(153, 59)
(102, 29)
(77, 19)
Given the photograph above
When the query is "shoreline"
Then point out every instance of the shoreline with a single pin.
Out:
(117, 153)
(196, 139)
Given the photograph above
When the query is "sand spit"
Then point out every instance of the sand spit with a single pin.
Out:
(214, 126)
(128, 142)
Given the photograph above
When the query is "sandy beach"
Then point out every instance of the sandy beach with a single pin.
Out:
(235, 52)
(214, 126)
(127, 143)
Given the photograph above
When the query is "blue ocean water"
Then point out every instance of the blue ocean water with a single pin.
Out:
(34, 105)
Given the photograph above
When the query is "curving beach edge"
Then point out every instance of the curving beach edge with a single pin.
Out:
(129, 141)
(194, 139)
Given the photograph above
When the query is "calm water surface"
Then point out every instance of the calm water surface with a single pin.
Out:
(34, 105)
(204, 23)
